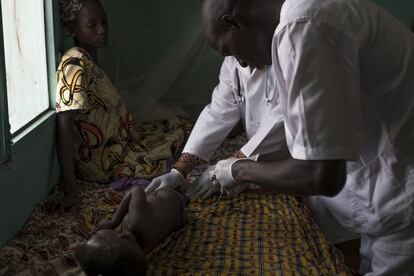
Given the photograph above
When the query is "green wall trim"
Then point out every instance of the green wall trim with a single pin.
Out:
(51, 54)
(4, 117)
(26, 137)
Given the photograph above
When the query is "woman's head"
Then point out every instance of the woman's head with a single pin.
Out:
(86, 21)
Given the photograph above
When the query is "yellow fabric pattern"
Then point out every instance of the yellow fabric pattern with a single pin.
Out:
(254, 233)
(110, 144)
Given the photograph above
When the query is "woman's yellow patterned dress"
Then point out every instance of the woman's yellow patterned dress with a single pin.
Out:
(109, 143)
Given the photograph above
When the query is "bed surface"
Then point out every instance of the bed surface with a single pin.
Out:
(254, 233)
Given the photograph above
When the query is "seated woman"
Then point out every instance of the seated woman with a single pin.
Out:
(97, 139)
(145, 219)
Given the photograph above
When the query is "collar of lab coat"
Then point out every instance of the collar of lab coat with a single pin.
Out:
(248, 72)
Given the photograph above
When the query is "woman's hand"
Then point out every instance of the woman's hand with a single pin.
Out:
(67, 203)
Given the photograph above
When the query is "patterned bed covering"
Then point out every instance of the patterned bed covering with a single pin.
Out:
(255, 233)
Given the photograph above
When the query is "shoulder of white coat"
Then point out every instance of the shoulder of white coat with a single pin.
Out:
(228, 69)
(231, 66)
(230, 63)
(336, 12)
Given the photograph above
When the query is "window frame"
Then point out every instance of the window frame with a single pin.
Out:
(52, 38)
(11, 143)
(5, 144)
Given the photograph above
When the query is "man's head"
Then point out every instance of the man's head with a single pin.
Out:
(86, 21)
(107, 253)
(242, 28)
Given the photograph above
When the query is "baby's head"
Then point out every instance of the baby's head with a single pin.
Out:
(107, 253)
(86, 21)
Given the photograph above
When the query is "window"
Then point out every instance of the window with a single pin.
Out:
(25, 61)
(4, 131)
(27, 69)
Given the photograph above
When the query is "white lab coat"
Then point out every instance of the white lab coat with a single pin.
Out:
(242, 94)
(345, 72)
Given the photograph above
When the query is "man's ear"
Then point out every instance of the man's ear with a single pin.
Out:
(230, 21)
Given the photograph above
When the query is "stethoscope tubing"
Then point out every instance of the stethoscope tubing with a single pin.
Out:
(239, 97)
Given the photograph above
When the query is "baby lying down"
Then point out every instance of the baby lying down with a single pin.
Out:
(146, 220)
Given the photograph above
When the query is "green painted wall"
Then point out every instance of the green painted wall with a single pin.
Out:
(27, 179)
(142, 33)
(33, 169)
(403, 9)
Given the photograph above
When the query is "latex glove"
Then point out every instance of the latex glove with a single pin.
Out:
(205, 187)
(223, 176)
(173, 179)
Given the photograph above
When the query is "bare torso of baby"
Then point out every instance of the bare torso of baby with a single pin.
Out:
(153, 217)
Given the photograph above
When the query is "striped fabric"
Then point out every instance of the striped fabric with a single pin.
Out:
(255, 233)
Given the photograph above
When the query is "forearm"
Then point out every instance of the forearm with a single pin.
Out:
(269, 137)
(121, 210)
(280, 155)
(65, 142)
(292, 176)
(214, 123)
(187, 162)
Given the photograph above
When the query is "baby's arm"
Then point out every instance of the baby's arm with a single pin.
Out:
(118, 216)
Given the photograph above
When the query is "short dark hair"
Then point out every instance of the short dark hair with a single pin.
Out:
(108, 261)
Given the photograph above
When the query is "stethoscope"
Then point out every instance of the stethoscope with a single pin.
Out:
(239, 97)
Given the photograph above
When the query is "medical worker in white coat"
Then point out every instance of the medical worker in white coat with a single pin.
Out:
(241, 92)
(345, 76)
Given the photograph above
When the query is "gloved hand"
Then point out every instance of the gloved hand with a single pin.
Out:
(223, 176)
(173, 179)
(204, 188)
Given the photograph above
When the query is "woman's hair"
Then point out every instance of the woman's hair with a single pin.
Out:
(68, 10)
